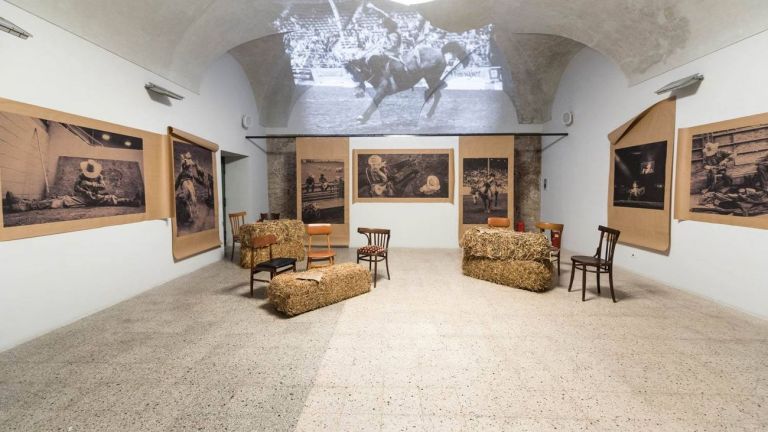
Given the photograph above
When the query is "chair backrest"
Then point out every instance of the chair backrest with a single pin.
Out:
(236, 220)
(608, 239)
(499, 222)
(274, 216)
(376, 236)
(555, 232)
(263, 217)
(319, 229)
(262, 241)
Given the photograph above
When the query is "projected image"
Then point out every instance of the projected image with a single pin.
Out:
(367, 66)
(639, 176)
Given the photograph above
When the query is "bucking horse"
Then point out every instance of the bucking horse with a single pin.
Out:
(488, 193)
(389, 76)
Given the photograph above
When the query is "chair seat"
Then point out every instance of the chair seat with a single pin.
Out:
(371, 250)
(589, 260)
(554, 249)
(320, 254)
(277, 263)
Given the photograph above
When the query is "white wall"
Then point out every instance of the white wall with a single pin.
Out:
(47, 282)
(725, 263)
(416, 225)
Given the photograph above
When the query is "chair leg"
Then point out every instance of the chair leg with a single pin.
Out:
(610, 283)
(232, 258)
(358, 259)
(558, 265)
(309, 261)
(251, 283)
(386, 261)
(375, 272)
(573, 272)
(598, 280)
(584, 283)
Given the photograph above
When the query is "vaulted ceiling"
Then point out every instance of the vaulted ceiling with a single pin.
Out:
(178, 39)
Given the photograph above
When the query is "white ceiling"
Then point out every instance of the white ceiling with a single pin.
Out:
(178, 39)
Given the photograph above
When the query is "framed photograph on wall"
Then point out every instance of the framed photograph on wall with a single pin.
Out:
(403, 175)
(639, 179)
(60, 173)
(723, 172)
(195, 197)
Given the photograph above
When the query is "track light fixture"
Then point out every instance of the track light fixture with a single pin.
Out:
(13, 29)
(685, 82)
(154, 88)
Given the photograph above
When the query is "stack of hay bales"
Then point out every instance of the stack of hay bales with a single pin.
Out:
(290, 240)
(296, 293)
(502, 256)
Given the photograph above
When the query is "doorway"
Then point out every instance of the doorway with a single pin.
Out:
(234, 186)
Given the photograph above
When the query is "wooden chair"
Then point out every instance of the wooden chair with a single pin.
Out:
(602, 261)
(326, 254)
(376, 251)
(236, 220)
(499, 222)
(274, 266)
(268, 216)
(555, 239)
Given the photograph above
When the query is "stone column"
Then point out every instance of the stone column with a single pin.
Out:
(281, 184)
(527, 180)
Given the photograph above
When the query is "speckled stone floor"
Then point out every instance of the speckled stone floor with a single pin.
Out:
(429, 350)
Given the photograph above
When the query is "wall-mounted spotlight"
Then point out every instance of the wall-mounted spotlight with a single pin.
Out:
(13, 29)
(681, 83)
(154, 88)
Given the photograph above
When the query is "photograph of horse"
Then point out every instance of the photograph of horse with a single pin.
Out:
(484, 189)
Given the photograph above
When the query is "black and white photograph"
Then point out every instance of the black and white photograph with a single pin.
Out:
(414, 175)
(364, 66)
(54, 172)
(194, 188)
(640, 176)
(484, 189)
(322, 191)
(729, 172)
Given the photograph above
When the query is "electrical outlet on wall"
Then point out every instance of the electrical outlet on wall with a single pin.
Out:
(545, 184)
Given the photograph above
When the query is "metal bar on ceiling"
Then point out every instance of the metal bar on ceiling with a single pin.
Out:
(534, 134)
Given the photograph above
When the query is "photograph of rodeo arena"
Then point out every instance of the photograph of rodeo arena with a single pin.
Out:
(322, 191)
(368, 67)
(54, 172)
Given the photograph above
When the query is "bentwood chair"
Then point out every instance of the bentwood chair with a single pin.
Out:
(325, 254)
(273, 266)
(376, 251)
(268, 216)
(236, 220)
(601, 261)
(555, 240)
(499, 222)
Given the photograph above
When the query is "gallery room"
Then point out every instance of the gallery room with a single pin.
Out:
(384, 215)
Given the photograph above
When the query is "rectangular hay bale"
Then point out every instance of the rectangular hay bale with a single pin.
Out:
(292, 295)
(505, 244)
(528, 275)
(290, 241)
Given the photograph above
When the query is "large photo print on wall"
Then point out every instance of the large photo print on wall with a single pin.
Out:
(724, 172)
(54, 171)
(484, 189)
(403, 175)
(640, 175)
(322, 191)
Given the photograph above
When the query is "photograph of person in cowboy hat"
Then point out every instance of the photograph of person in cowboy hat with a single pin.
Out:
(388, 174)
(193, 167)
(715, 161)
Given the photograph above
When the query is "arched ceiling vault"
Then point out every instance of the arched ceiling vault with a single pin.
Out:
(178, 39)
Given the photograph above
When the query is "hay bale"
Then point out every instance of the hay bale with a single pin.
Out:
(505, 244)
(292, 295)
(526, 274)
(290, 240)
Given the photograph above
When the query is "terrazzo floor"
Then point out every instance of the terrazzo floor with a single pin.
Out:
(430, 350)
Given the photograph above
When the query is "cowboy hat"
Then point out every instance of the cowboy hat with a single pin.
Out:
(90, 168)
(186, 155)
(375, 161)
(710, 148)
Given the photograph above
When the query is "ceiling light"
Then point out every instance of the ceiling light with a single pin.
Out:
(13, 29)
(127, 143)
(106, 137)
(685, 82)
(154, 88)
(412, 2)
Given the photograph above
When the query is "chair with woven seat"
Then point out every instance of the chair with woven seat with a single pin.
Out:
(601, 261)
(326, 254)
(376, 251)
(499, 222)
(268, 216)
(236, 220)
(273, 266)
(555, 240)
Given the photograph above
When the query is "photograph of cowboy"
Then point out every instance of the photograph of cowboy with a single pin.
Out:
(322, 194)
(484, 189)
(54, 172)
(409, 175)
(193, 186)
(729, 172)
(639, 176)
